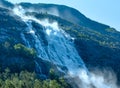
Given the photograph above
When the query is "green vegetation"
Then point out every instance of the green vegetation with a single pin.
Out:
(26, 79)
(16, 56)
(112, 30)
(25, 51)
(10, 48)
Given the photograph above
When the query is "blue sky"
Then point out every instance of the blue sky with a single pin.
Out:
(103, 11)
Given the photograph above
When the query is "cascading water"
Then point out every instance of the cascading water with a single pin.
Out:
(58, 49)
(61, 49)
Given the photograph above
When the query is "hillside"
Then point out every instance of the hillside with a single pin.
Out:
(65, 42)
(98, 46)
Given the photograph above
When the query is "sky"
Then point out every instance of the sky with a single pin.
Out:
(103, 11)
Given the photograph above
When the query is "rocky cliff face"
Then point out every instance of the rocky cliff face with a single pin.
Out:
(32, 38)
(50, 42)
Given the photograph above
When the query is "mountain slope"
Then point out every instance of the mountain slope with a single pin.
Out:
(73, 16)
(66, 13)
(29, 42)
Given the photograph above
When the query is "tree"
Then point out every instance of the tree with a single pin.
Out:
(54, 84)
(38, 84)
(8, 84)
(52, 74)
(46, 84)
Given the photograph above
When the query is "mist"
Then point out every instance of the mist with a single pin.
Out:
(94, 79)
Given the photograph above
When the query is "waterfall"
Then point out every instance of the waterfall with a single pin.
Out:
(59, 50)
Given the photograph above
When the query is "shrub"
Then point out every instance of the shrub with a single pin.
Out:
(25, 51)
